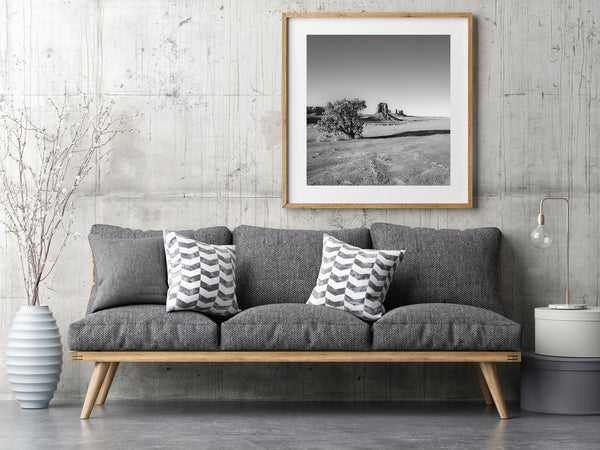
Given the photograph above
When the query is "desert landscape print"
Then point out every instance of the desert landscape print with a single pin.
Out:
(378, 110)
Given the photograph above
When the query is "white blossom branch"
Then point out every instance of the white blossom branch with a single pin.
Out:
(40, 171)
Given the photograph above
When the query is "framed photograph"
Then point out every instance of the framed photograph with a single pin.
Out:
(377, 110)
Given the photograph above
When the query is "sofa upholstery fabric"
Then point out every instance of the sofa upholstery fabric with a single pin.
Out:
(130, 267)
(210, 235)
(445, 327)
(443, 266)
(143, 328)
(128, 272)
(282, 266)
(295, 327)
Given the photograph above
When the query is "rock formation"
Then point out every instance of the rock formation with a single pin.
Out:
(382, 108)
(383, 113)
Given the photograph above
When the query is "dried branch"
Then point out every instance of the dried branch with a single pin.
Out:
(40, 170)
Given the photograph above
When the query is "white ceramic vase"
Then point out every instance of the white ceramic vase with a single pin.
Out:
(34, 356)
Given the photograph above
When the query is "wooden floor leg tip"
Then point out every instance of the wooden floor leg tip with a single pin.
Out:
(98, 374)
(488, 369)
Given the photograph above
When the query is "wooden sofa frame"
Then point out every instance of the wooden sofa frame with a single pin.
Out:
(107, 363)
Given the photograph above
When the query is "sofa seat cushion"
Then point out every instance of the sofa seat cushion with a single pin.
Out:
(295, 327)
(445, 327)
(143, 327)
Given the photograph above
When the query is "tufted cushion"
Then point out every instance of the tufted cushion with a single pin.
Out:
(443, 266)
(282, 266)
(130, 267)
(445, 327)
(143, 327)
(295, 327)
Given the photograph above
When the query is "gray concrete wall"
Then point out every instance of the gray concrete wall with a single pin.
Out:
(205, 79)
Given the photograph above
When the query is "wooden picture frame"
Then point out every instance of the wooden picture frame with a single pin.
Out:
(410, 139)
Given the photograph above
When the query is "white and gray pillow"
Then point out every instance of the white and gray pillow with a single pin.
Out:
(201, 277)
(354, 279)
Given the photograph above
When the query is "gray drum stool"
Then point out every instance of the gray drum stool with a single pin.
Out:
(558, 385)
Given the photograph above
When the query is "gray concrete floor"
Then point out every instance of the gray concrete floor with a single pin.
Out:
(273, 425)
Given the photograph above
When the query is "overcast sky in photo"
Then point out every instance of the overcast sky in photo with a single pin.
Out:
(408, 72)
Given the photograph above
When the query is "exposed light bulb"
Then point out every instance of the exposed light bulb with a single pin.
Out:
(540, 238)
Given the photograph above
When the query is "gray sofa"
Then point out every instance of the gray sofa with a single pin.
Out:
(443, 304)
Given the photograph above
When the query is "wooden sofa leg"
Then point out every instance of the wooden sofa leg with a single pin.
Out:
(108, 379)
(487, 396)
(98, 374)
(488, 370)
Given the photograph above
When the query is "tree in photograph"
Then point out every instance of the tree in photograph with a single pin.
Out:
(341, 117)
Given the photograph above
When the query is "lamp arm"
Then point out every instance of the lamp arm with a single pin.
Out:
(541, 222)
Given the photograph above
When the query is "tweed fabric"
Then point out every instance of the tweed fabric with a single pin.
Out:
(445, 327)
(201, 276)
(130, 266)
(210, 235)
(127, 272)
(354, 279)
(143, 327)
(295, 327)
(443, 266)
(282, 266)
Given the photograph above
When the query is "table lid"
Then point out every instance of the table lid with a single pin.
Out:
(591, 314)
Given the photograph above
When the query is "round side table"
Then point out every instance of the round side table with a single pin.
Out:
(568, 333)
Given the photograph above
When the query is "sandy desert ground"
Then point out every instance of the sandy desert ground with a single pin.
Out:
(414, 152)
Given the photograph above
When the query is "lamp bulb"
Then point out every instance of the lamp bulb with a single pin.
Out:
(540, 238)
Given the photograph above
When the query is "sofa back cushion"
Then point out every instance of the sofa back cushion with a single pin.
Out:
(443, 266)
(282, 266)
(130, 265)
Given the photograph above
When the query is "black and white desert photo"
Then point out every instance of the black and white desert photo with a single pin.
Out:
(378, 110)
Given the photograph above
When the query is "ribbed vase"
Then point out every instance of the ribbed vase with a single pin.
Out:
(34, 356)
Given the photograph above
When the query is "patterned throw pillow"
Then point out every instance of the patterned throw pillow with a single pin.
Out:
(201, 276)
(354, 279)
